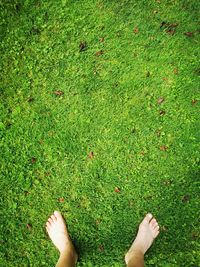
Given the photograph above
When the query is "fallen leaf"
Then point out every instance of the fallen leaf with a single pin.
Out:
(82, 46)
(97, 222)
(163, 148)
(117, 189)
(194, 101)
(175, 71)
(61, 199)
(163, 23)
(100, 248)
(33, 160)
(170, 28)
(136, 30)
(160, 100)
(99, 53)
(189, 34)
(30, 99)
(185, 198)
(170, 31)
(58, 93)
(101, 39)
(162, 112)
(195, 235)
(165, 79)
(91, 155)
(29, 226)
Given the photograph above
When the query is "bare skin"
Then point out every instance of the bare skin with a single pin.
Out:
(148, 231)
(57, 231)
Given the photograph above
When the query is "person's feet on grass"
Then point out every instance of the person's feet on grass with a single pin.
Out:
(148, 231)
(57, 231)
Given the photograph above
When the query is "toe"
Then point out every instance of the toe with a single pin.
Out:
(156, 234)
(53, 217)
(156, 228)
(48, 225)
(57, 214)
(155, 225)
(50, 220)
(153, 222)
(148, 217)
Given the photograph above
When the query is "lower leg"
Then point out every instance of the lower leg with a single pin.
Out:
(66, 260)
(148, 231)
(137, 260)
(57, 230)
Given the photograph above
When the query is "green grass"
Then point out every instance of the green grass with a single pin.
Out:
(109, 107)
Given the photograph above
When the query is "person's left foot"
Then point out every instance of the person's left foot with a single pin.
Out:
(57, 230)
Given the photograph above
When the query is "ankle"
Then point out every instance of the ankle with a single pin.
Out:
(133, 255)
(69, 252)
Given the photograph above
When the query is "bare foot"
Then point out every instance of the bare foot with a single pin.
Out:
(57, 230)
(148, 231)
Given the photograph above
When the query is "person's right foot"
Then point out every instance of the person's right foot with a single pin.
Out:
(148, 231)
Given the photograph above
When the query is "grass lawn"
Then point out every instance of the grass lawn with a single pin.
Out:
(99, 114)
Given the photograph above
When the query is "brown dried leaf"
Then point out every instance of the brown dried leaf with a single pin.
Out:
(194, 101)
(117, 189)
(136, 30)
(99, 53)
(58, 93)
(101, 39)
(185, 198)
(195, 235)
(82, 46)
(101, 248)
(163, 148)
(160, 100)
(33, 160)
(163, 23)
(189, 34)
(175, 71)
(170, 31)
(162, 112)
(91, 155)
(29, 226)
(61, 199)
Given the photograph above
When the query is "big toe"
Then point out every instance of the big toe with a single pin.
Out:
(58, 215)
(148, 218)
